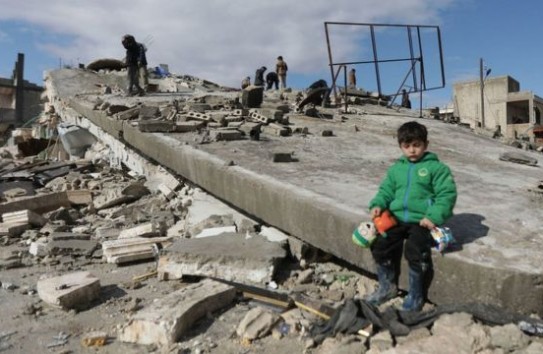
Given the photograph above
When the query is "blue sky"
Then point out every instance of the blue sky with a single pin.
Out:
(224, 41)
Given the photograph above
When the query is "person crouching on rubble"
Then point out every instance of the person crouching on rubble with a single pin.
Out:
(420, 192)
(132, 59)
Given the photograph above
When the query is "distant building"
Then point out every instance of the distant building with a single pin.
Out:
(19, 99)
(512, 112)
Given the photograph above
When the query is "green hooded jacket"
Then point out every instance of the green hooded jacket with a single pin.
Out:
(416, 190)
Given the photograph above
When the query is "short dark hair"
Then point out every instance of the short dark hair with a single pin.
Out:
(412, 131)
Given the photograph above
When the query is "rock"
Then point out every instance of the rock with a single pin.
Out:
(256, 324)
(508, 337)
(70, 291)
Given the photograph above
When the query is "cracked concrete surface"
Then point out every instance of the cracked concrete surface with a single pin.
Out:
(321, 197)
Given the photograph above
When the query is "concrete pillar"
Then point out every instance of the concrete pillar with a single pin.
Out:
(19, 88)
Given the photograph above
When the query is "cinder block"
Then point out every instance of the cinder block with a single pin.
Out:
(192, 115)
(252, 96)
(70, 291)
(188, 126)
(226, 135)
(156, 126)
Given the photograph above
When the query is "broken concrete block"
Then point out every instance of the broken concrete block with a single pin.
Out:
(38, 248)
(148, 229)
(115, 108)
(239, 112)
(14, 193)
(71, 247)
(9, 260)
(169, 317)
(128, 114)
(192, 115)
(119, 195)
(282, 156)
(252, 96)
(250, 129)
(167, 192)
(156, 126)
(225, 135)
(231, 257)
(38, 203)
(233, 119)
(276, 129)
(70, 291)
(259, 118)
(214, 125)
(67, 236)
(327, 133)
(198, 107)
(13, 229)
(188, 126)
(215, 231)
(132, 249)
(24, 217)
(148, 112)
(257, 323)
(80, 197)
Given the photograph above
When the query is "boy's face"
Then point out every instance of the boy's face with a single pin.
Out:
(414, 150)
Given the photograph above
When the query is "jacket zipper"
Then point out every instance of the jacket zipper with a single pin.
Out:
(406, 196)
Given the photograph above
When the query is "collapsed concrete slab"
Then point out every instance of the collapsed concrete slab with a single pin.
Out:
(70, 291)
(168, 318)
(325, 195)
(228, 256)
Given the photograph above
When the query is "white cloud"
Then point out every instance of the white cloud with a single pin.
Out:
(221, 40)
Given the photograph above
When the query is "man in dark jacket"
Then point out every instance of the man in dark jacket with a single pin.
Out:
(272, 80)
(133, 59)
(259, 76)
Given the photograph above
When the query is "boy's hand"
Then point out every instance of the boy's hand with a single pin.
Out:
(427, 223)
(375, 212)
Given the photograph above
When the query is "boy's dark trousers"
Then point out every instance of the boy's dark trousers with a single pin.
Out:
(418, 246)
(387, 252)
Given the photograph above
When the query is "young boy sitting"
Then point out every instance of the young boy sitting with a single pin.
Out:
(420, 192)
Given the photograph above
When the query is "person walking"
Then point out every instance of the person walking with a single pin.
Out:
(281, 69)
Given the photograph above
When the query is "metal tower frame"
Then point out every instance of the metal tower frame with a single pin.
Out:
(416, 71)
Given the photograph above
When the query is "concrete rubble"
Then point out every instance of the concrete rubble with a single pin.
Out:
(69, 291)
(109, 248)
(171, 316)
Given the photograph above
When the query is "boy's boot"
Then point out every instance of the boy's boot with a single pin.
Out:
(415, 299)
(387, 285)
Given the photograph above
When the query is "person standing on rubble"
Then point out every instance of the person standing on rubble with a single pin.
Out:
(142, 66)
(281, 69)
(259, 76)
(420, 192)
(352, 78)
(406, 102)
(245, 82)
(132, 60)
(272, 80)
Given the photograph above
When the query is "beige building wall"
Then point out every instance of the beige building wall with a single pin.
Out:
(514, 112)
